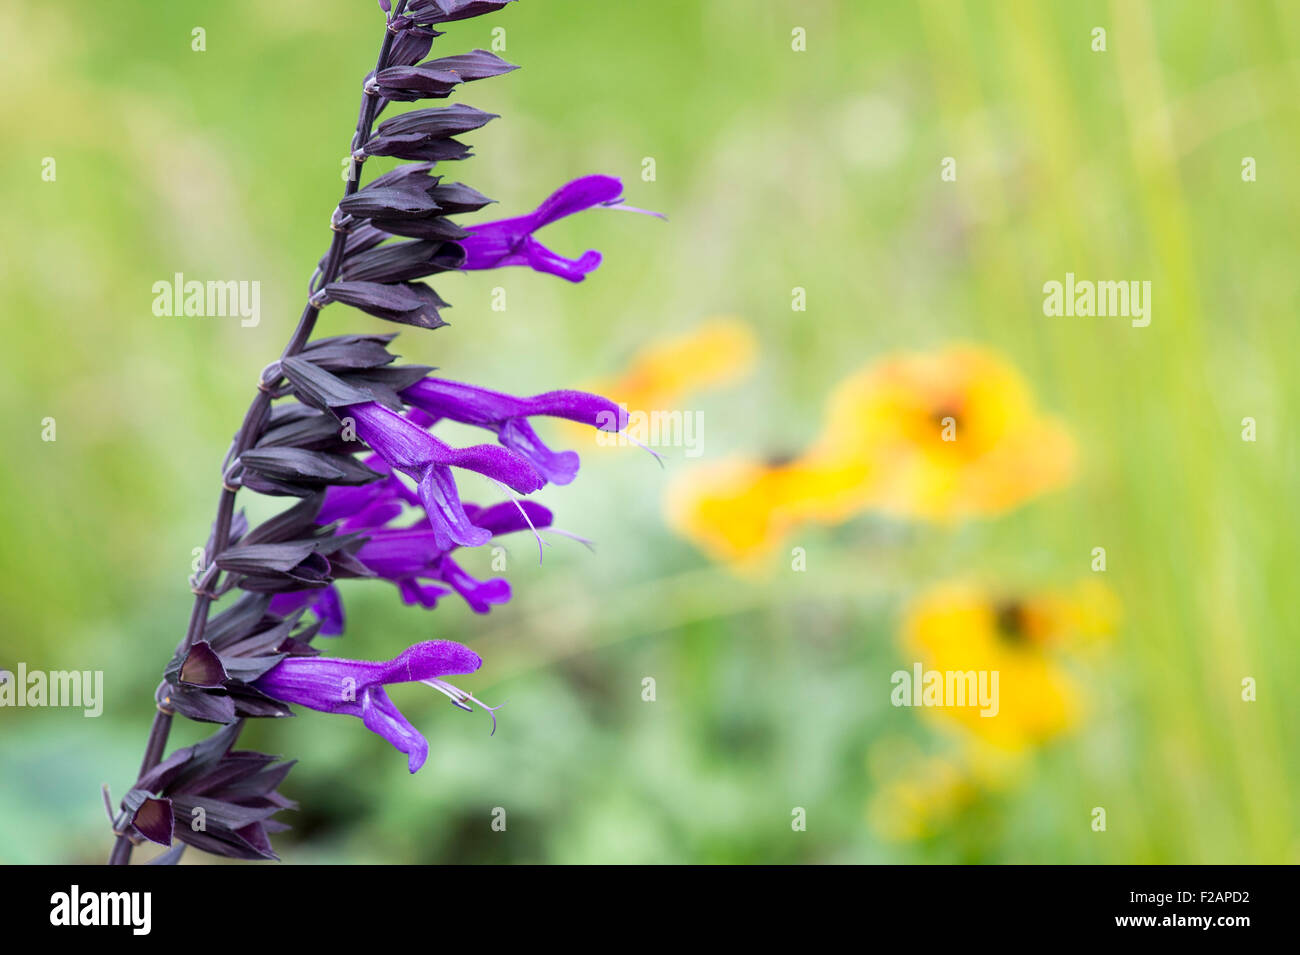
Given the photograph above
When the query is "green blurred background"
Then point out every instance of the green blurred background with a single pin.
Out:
(777, 169)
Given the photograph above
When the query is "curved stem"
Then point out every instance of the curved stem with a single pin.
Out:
(248, 432)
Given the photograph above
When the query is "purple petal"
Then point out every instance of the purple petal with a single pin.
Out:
(334, 685)
(429, 660)
(329, 608)
(421, 595)
(383, 718)
(438, 398)
(442, 398)
(447, 516)
(399, 553)
(496, 462)
(479, 594)
(345, 502)
(505, 518)
(326, 604)
(541, 259)
(508, 242)
(580, 406)
(558, 467)
(286, 603)
(411, 449)
(577, 196)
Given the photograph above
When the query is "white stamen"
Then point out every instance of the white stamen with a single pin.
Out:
(624, 207)
(540, 543)
(645, 447)
(590, 545)
(461, 699)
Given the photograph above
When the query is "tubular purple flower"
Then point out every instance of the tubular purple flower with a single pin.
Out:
(416, 594)
(481, 595)
(410, 449)
(356, 688)
(397, 553)
(408, 556)
(368, 505)
(507, 242)
(507, 416)
(508, 517)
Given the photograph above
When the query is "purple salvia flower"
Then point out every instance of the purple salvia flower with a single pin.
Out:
(369, 505)
(506, 242)
(411, 558)
(507, 416)
(481, 595)
(356, 688)
(366, 507)
(410, 555)
(410, 449)
(417, 594)
(510, 516)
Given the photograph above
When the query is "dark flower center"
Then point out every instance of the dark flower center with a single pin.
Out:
(1011, 622)
(945, 416)
(780, 459)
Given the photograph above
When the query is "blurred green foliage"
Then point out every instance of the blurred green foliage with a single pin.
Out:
(777, 169)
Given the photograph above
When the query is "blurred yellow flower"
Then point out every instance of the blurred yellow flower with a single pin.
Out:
(661, 378)
(922, 801)
(925, 794)
(739, 510)
(1024, 639)
(665, 373)
(950, 434)
(936, 436)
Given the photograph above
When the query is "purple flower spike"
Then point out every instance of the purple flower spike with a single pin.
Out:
(356, 688)
(339, 425)
(507, 416)
(505, 242)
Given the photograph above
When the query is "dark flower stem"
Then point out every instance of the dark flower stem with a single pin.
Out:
(203, 597)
